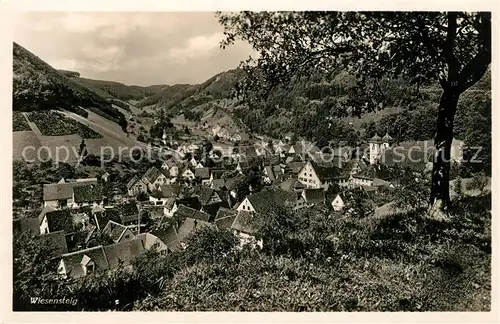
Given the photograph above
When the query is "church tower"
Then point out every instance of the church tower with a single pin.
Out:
(375, 148)
(387, 141)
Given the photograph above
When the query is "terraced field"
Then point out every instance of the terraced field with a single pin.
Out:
(51, 123)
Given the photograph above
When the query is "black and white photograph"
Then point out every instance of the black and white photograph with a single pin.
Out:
(251, 161)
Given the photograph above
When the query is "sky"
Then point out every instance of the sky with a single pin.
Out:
(139, 48)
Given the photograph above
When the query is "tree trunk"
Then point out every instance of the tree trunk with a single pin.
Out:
(440, 189)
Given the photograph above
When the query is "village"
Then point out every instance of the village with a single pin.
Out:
(94, 229)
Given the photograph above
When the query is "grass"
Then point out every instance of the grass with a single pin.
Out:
(53, 123)
(19, 122)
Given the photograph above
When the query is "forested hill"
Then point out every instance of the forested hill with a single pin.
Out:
(38, 86)
(321, 107)
(181, 97)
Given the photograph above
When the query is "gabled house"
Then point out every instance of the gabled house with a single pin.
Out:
(154, 178)
(135, 186)
(292, 185)
(187, 174)
(368, 175)
(203, 174)
(339, 202)
(87, 195)
(312, 175)
(225, 217)
(171, 167)
(58, 195)
(129, 214)
(264, 201)
(118, 232)
(82, 263)
(61, 220)
(313, 197)
(246, 228)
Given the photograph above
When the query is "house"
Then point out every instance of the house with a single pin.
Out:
(265, 201)
(58, 195)
(312, 175)
(294, 167)
(292, 185)
(246, 228)
(62, 194)
(61, 220)
(313, 196)
(168, 236)
(57, 242)
(87, 195)
(224, 218)
(129, 214)
(171, 167)
(136, 186)
(270, 175)
(99, 216)
(150, 241)
(85, 262)
(369, 174)
(188, 174)
(339, 202)
(355, 166)
(188, 226)
(118, 232)
(154, 178)
(203, 174)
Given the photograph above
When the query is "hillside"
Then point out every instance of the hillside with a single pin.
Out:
(117, 90)
(181, 97)
(38, 86)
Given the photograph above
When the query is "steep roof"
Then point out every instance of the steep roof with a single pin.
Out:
(169, 238)
(152, 174)
(88, 193)
(204, 194)
(184, 211)
(72, 261)
(264, 201)
(128, 212)
(202, 216)
(314, 196)
(170, 190)
(132, 181)
(57, 242)
(190, 225)
(124, 252)
(202, 173)
(60, 220)
(325, 173)
(225, 218)
(246, 222)
(57, 191)
(115, 230)
(101, 219)
(291, 185)
(270, 172)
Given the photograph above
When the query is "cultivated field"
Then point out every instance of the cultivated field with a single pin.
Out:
(51, 123)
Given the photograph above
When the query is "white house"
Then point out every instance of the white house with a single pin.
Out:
(338, 203)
